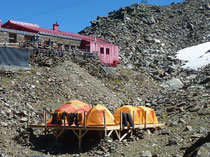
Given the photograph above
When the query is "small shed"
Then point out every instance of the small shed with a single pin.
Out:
(108, 53)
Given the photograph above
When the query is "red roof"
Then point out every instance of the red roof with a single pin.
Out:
(36, 29)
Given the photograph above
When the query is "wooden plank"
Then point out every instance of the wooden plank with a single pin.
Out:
(74, 127)
(80, 139)
(118, 135)
(141, 126)
(116, 127)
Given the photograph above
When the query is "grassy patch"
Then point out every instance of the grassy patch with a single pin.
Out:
(165, 116)
(5, 80)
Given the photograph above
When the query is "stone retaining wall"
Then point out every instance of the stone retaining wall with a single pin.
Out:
(4, 37)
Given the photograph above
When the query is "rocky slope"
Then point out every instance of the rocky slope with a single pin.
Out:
(148, 37)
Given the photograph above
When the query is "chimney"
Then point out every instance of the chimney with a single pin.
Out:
(0, 23)
(55, 26)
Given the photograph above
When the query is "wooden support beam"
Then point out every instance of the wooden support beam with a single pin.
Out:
(60, 133)
(125, 135)
(109, 134)
(84, 133)
(118, 134)
(28, 121)
(75, 133)
(54, 134)
(80, 138)
(45, 122)
(46, 110)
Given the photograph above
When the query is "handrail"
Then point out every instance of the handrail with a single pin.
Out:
(106, 68)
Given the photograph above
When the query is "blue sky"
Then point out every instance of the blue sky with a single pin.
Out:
(72, 15)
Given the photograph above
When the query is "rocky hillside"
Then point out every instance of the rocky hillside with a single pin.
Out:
(148, 37)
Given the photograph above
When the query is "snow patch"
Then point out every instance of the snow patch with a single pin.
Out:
(196, 56)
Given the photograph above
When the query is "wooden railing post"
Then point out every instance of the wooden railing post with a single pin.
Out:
(145, 123)
(133, 120)
(120, 120)
(45, 122)
(105, 124)
(84, 120)
(64, 120)
(28, 118)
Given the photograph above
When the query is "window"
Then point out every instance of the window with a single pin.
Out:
(72, 47)
(29, 39)
(87, 48)
(12, 38)
(102, 50)
(107, 51)
(66, 47)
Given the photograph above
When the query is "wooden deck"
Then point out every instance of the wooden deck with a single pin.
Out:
(81, 130)
(115, 127)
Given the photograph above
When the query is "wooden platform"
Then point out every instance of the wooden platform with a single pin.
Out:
(81, 130)
(115, 127)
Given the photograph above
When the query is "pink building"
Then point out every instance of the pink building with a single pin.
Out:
(107, 52)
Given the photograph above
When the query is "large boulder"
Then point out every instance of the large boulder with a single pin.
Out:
(172, 85)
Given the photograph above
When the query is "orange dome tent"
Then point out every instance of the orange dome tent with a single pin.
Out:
(134, 112)
(96, 116)
(73, 106)
(151, 117)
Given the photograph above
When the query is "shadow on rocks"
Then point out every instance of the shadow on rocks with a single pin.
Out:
(67, 143)
(192, 151)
